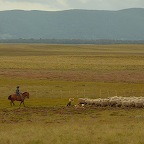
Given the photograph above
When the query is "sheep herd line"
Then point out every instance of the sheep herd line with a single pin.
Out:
(116, 101)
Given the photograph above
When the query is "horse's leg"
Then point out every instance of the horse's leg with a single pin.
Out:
(23, 104)
(12, 103)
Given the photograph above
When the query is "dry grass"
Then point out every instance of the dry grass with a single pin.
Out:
(63, 125)
(52, 74)
(112, 63)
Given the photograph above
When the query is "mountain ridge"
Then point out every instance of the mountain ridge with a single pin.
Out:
(126, 24)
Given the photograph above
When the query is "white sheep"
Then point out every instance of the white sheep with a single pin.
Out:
(139, 103)
(97, 102)
(105, 102)
(113, 101)
(81, 100)
(116, 101)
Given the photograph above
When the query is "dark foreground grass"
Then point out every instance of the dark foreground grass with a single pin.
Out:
(61, 125)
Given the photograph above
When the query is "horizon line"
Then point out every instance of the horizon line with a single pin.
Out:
(70, 9)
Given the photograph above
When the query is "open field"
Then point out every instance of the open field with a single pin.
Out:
(54, 73)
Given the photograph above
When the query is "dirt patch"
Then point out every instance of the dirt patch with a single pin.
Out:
(115, 76)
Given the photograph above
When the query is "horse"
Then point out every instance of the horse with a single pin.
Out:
(20, 98)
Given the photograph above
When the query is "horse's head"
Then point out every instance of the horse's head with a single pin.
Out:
(25, 94)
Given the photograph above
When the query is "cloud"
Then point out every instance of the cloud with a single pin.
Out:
(62, 2)
(26, 5)
(105, 4)
(21, 1)
(69, 4)
(84, 1)
(49, 5)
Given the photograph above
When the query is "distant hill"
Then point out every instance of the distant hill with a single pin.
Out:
(127, 24)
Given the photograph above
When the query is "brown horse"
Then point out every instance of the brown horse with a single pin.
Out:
(21, 98)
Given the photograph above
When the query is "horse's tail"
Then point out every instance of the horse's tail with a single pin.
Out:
(9, 97)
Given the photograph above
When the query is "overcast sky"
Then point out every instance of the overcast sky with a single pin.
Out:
(56, 5)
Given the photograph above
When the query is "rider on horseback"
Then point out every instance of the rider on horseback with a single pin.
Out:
(18, 91)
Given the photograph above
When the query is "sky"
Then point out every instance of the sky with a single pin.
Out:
(58, 5)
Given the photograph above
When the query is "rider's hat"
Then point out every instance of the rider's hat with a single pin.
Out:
(17, 86)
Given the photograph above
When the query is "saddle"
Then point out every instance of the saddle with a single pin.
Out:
(19, 96)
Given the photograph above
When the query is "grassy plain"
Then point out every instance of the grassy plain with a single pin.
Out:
(54, 73)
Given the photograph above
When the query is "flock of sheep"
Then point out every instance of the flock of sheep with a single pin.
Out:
(116, 101)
